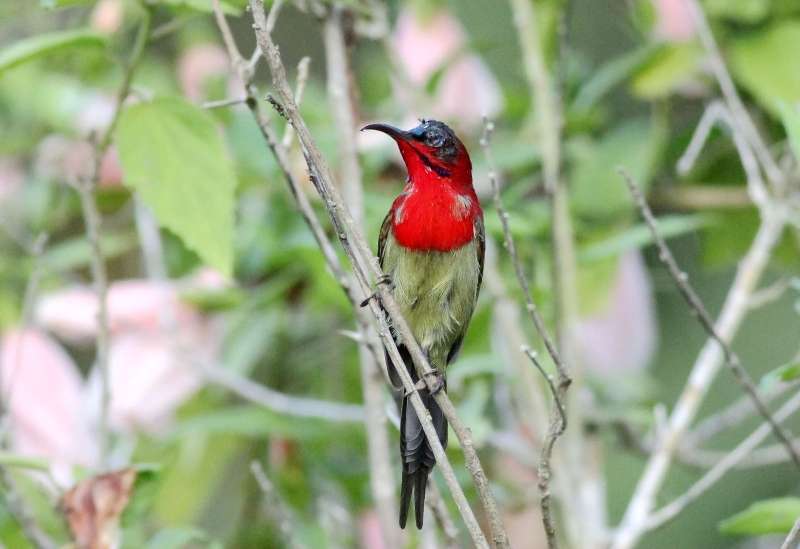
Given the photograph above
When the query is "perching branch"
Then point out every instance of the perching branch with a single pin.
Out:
(558, 389)
(366, 269)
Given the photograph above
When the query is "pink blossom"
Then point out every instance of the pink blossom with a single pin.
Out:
(674, 21)
(11, 178)
(107, 16)
(158, 344)
(369, 530)
(197, 65)
(467, 90)
(43, 390)
(622, 336)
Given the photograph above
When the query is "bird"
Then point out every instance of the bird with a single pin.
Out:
(431, 250)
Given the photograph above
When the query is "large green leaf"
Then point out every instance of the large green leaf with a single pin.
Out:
(597, 189)
(39, 45)
(173, 155)
(765, 64)
(771, 516)
(746, 11)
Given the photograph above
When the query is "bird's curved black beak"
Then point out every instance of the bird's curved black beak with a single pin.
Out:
(396, 133)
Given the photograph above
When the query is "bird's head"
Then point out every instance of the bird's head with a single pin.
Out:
(430, 151)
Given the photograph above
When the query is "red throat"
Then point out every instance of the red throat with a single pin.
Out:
(438, 207)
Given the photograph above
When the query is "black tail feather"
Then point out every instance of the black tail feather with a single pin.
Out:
(417, 455)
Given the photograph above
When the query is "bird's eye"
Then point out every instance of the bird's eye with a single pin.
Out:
(434, 139)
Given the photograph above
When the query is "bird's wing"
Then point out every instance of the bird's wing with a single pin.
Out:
(480, 252)
(385, 227)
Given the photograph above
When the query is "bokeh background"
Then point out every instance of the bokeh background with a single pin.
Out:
(634, 85)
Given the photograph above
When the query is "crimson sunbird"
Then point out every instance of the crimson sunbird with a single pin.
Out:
(431, 248)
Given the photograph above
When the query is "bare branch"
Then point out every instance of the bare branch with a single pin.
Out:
(708, 362)
(558, 422)
(699, 310)
(793, 539)
(740, 117)
(19, 510)
(440, 512)
(366, 268)
(729, 461)
(281, 402)
(275, 505)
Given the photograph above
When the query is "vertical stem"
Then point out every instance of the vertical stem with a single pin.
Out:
(342, 102)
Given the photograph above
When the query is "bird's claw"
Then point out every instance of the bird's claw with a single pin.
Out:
(435, 381)
(383, 279)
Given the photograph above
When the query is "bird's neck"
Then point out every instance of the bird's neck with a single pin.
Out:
(436, 213)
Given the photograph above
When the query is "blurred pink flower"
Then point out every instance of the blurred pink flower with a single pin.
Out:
(369, 530)
(107, 16)
(110, 169)
(197, 65)
(11, 178)
(621, 337)
(467, 90)
(674, 21)
(44, 394)
(157, 345)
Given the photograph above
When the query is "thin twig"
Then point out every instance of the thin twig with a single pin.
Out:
(671, 510)
(222, 103)
(558, 421)
(708, 362)
(22, 514)
(275, 505)
(439, 510)
(741, 118)
(93, 220)
(281, 402)
(793, 539)
(701, 313)
(366, 268)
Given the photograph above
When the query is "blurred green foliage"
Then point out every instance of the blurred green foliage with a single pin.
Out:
(631, 99)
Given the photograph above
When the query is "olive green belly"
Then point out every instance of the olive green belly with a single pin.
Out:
(436, 292)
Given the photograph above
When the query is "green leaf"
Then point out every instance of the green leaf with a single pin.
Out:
(7, 459)
(790, 114)
(745, 11)
(611, 74)
(176, 538)
(39, 45)
(596, 187)
(763, 63)
(786, 372)
(666, 70)
(638, 236)
(205, 6)
(52, 4)
(173, 155)
(255, 421)
(771, 516)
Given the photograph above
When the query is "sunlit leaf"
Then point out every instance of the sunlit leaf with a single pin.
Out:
(746, 11)
(771, 516)
(40, 45)
(639, 235)
(666, 70)
(173, 155)
(52, 4)
(786, 372)
(765, 65)
(596, 187)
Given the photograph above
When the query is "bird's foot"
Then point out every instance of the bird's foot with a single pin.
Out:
(384, 279)
(435, 381)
